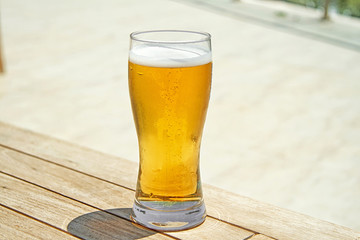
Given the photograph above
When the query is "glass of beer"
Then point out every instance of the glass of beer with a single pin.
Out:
(169, 84)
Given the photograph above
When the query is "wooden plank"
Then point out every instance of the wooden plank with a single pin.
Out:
(98, 164)
(270, 220)
(245, 212)
(61, 212)
(98, 193)
(260, 237)
(17, 226)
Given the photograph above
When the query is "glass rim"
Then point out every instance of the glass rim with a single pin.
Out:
(206, 36)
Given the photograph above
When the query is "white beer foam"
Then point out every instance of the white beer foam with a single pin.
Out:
(168, 56)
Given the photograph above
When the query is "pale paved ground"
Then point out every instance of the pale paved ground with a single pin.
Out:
(283, 124)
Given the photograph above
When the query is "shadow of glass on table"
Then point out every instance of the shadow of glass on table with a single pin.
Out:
(108, 224)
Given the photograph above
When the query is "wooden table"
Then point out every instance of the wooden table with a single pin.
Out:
(51, 189)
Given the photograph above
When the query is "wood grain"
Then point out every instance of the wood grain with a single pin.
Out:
(270, 220)
(238, 210)
(61, 212)
(100, 194)
(260, 237)
(97, 164)
(17, 226)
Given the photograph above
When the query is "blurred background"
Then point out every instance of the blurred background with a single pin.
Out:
(344, 7)
(283, 123)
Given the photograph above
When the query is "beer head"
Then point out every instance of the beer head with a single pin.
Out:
(171, 48)
(168, 56)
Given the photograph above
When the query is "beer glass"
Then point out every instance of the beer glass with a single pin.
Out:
(169, 84)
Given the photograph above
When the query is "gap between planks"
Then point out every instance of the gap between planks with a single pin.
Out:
(98, 178)
(232, 229)
(61, 212)
(28, 225)
(251, 214)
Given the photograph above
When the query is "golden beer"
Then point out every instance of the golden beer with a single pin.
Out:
(169, 85)
(169, 106)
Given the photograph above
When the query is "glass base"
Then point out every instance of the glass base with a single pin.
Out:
(168, 216)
